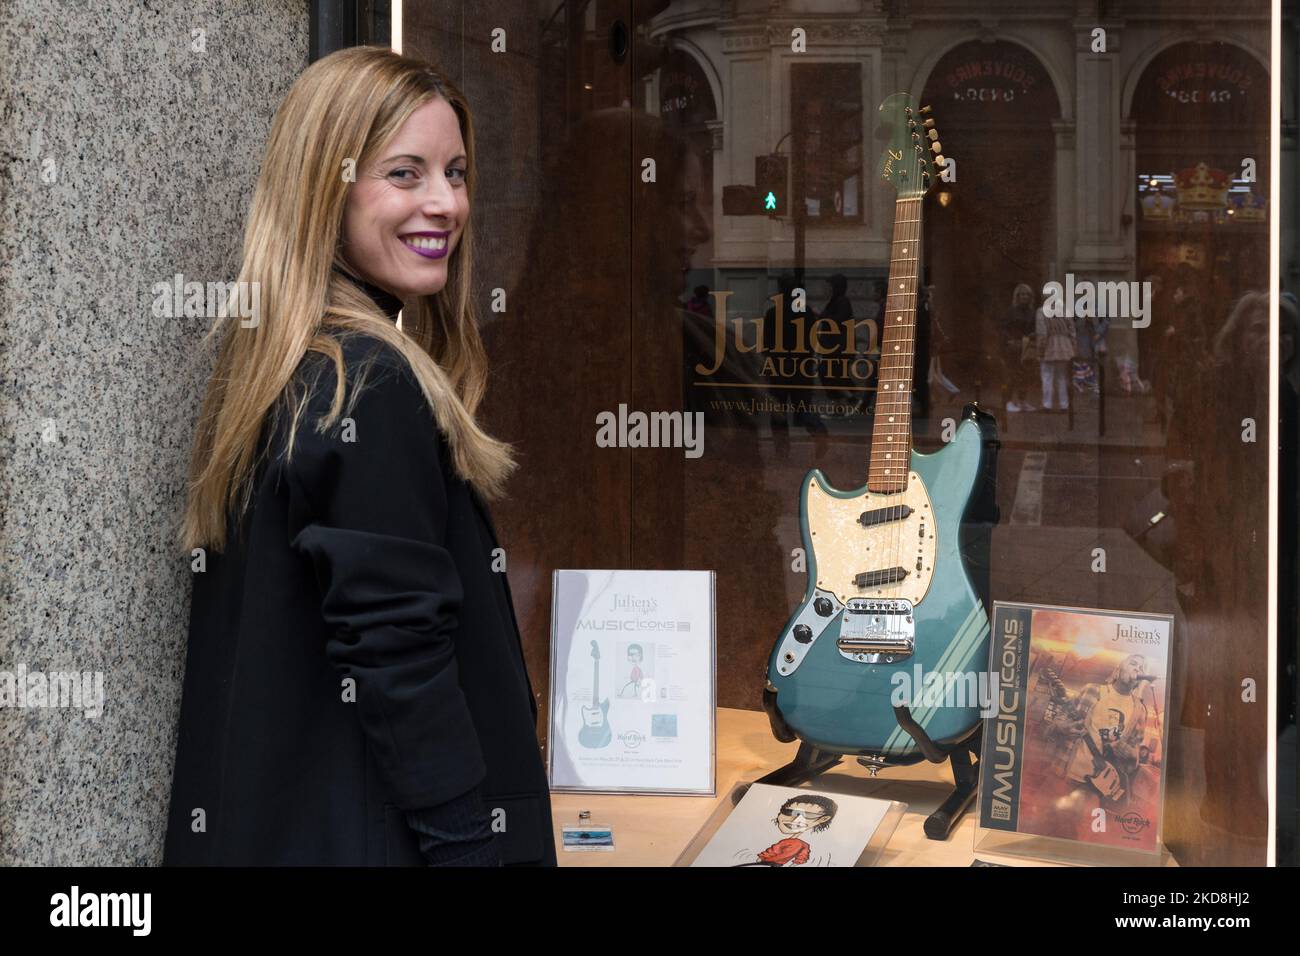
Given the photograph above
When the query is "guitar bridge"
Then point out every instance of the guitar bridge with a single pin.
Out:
(877, 631)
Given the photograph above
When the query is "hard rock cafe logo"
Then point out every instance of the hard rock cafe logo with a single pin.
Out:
(632, 739)
(1133, 822)
(790, 348)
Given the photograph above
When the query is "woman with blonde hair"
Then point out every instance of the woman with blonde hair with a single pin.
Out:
(355, 691)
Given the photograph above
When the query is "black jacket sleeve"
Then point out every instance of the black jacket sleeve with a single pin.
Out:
(368, 506)
(456, 833)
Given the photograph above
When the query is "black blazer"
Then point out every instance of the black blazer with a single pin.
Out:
(354, 655)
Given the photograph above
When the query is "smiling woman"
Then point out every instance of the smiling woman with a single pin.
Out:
(406, 213)
(355, 691)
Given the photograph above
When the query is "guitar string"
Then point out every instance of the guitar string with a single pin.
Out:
(896, 404)
(902, 382)
(914, 245)
(888, 377)
(908, 216)
(890, 403)
(895, 493)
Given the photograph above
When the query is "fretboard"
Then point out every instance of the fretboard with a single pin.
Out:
(891, 436)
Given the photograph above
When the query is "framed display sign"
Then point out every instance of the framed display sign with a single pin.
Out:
(1074, 754)
(632, 682)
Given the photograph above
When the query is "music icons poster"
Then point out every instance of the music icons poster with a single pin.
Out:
(632, 681)
(1074, 746)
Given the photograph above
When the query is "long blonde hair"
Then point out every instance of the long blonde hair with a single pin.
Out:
(340, 113)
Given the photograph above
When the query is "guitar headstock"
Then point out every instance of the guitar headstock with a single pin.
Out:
(595, 650)
(913, 158)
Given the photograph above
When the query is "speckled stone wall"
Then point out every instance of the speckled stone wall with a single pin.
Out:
(130, 138)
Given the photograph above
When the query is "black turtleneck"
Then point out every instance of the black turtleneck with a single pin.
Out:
(388, 303)
(458, 832)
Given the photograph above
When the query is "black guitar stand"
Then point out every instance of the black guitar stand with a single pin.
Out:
(963, 756)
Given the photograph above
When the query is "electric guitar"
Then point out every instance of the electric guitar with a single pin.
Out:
(888, 583)
(595, 732)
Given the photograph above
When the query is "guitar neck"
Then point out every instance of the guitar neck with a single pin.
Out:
(891, 436)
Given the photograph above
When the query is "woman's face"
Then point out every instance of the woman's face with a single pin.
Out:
(406, 212)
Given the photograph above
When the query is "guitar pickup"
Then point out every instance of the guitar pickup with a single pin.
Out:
(873, 579)
(882, 515)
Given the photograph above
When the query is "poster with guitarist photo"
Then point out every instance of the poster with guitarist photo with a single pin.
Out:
(632, 681)
(1075, 749)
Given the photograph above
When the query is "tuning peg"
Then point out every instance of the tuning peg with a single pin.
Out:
(929, 123)
(935, 146)
(940, 162)
(916, 137)
(933, 134)
(925, 109)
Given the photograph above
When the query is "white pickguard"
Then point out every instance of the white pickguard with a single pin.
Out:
(843, 548)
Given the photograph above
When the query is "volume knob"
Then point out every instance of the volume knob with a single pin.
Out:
(823, 606)
(803, 633)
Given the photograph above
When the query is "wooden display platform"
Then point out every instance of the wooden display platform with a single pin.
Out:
(652, 831)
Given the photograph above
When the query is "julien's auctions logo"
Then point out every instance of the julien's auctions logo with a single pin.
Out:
(791, 346)
(1132, 633)
(1133, 822)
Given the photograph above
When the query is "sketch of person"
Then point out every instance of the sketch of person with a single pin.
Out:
(632, 688)
(798, 815)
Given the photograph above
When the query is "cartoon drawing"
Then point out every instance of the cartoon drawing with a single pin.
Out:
(798, 815)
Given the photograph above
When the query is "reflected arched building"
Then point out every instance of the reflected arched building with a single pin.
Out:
(1024, 99)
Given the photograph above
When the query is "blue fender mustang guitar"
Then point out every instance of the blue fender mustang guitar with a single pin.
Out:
(889, 586)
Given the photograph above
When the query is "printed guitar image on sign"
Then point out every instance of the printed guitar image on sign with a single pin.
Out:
(595, 732)
(1111, 771)
(889, 587)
